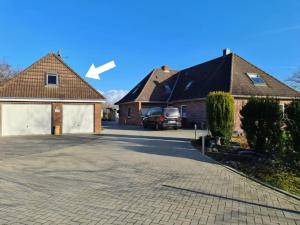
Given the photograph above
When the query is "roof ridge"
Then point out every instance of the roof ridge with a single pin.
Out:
(151, 74)
(173, 89)
(251, 64)
(220, 57)
(59, 58)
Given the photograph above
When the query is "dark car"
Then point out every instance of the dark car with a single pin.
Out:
(160, 118)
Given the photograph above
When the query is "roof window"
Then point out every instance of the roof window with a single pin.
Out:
(256, 79)
(167, 88)
(135, 89)
(189, 84)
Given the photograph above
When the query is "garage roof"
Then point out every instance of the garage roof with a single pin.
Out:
(31, 82)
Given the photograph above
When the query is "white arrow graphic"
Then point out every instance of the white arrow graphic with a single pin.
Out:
(94, 72)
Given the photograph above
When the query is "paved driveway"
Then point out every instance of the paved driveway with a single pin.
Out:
(119, 179)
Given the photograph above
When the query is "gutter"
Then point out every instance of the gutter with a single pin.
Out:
(50, 100)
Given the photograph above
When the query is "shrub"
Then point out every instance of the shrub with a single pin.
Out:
(262, 122)
(293, 123)
(220, 112)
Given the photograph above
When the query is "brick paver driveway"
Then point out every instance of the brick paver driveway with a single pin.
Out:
(111, 179)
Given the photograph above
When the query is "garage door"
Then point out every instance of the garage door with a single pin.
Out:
(26, 119)
(78, 119)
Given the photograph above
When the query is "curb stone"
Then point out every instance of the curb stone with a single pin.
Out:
(252, 178)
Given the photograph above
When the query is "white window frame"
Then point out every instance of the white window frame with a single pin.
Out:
(283, 107)
(52, 74)
(181, 111)
(253, 75)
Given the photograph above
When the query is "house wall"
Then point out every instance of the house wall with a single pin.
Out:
(195, 113)
(57, 114)
(134, 118)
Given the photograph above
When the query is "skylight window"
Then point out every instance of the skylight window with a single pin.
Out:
(256, 79)
(167, 88)
(135, 90)
(189, 84)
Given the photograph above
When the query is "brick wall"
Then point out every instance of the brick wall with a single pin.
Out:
(97, 118)
(57, 112)
(134, 118)
(195, 113)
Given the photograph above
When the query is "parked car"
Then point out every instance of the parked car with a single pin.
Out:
(160, 118)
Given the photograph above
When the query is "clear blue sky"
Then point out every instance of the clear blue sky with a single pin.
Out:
(140, 35)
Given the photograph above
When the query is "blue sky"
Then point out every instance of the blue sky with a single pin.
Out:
(141, 35)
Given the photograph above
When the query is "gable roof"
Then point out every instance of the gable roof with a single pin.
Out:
(199, 80)
(242, 84)
(30, 83)
(227, 73)
(155, 87)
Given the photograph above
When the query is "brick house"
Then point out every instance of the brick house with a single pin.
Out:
(187, 89)
(46, 95)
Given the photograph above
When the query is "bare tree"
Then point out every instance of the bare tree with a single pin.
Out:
(6, 71)
(294, 80)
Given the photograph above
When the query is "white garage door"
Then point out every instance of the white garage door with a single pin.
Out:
(26, 119)
(78, 119)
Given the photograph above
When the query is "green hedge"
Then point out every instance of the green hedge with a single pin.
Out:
(262, 120)
(220, 112)
(293, 123)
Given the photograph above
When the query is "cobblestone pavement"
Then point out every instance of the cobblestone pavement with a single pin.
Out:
(127, 180)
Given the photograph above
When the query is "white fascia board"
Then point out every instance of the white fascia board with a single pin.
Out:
(49, 100)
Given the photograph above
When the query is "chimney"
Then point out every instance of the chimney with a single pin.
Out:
(165, 68)
(226, 51)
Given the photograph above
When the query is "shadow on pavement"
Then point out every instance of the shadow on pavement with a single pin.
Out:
(232, 199)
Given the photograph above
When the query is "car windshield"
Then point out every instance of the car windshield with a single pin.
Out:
(171, 112)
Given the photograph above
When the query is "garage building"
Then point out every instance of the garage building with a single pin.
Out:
(46, 95)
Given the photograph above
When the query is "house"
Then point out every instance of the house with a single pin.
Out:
(109, 112)
(48, 95)
(187, 89)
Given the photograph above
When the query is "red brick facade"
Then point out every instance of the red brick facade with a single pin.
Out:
(130, 113)
(195, 112)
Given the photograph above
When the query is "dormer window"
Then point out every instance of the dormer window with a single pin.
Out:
(167, 88)
(52, 79)
(189, 84)
(256, 79)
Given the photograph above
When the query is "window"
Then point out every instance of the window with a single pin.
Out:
(171, 112)
(135, 89)
(52, 79)
(128, 112)
(256, 79)
(189, 84)
(183, 111)
(282, 108)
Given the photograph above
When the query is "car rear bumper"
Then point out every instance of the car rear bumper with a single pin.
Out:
(166, 124)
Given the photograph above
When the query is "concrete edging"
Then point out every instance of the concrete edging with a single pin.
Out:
(252, 178)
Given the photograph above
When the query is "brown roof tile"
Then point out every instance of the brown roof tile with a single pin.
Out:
(227, 73)
(30, 83)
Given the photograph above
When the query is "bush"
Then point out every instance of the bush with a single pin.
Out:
(293, 123)
(220, 111)
(262, 121)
